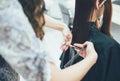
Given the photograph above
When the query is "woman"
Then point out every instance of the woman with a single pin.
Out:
(35, 13)
(91, 13)
(86, 27)
(25, 53)
(32, 14)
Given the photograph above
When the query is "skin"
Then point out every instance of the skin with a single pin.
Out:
(57, 25)
(77, 71)
(98, 12)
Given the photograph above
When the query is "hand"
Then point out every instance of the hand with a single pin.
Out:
(88, 52)
(67, 39)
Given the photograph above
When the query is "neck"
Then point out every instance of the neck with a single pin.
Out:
(93, 18)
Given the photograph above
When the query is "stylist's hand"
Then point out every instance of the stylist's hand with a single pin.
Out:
(89, 51)
(67, 38)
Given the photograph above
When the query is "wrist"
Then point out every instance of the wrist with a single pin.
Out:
(92, 59)
(66, 31)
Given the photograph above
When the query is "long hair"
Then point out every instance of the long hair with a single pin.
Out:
(34, 10)
(107, 18)
(83, 10)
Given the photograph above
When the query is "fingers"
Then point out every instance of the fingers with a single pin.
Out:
(89, 45)
(67, 36)
(65, 46)
(78, 45)
(80, 49)
(82, 53)
(68, 39)
(85, 49)
(90, 51)
(67, 42)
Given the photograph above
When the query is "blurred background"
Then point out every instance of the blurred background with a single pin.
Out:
(63, 10)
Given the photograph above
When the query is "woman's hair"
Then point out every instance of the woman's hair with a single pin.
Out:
(34, 10)
(83, 11)
(107, 17)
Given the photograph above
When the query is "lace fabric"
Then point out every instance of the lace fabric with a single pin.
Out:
(19, 46)
(6, 72)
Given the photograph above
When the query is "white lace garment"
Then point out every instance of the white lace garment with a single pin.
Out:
(19, 45)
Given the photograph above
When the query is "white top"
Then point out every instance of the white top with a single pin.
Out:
(19, 45)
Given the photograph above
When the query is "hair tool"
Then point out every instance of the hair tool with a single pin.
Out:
(75, 56)
(80, 49)
(102, 3)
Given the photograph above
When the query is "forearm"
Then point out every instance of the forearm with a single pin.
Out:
(78, 71)
(75, 72)
(55, 24)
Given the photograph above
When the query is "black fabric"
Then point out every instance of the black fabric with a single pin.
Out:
(6, 72)
(71, 59)
(107, 67)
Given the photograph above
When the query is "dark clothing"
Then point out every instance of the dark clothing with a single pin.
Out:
(107, 67)
(6, 72)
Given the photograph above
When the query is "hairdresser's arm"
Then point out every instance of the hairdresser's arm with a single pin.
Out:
(22, 52)
(57, 25)
(77, 71)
